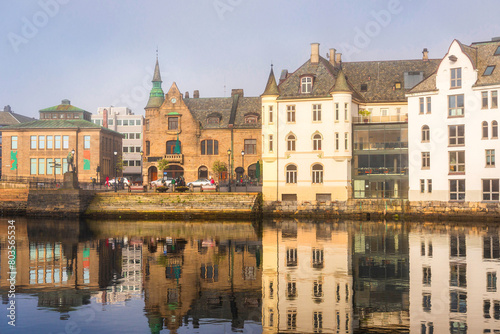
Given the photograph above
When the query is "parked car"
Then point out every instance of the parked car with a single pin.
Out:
(126, 182)
(199, 183)
(164, 181)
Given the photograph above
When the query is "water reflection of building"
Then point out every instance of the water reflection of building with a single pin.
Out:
(307, 281)
(380, 270)
(201, 278)
(454, 279)
(60, 268)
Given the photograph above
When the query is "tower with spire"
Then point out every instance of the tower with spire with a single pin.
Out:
(156, 96)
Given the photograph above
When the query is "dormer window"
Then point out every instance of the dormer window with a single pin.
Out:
(489, 70)
(497, 52)
(306, 85)
(397, 85)
(251, 118)
(213, 120)
(364, 87)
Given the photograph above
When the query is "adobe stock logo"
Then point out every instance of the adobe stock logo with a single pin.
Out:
(31, 27)
(224, 6)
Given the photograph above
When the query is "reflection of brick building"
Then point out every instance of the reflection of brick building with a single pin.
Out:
(201, 279)
(193, 133)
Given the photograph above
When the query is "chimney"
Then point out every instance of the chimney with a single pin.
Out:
(425, 54)
(186, 96)
(338, 58)
(237, 91)
(314, 53)
(7, 109)
(196, 94)
(332, 56)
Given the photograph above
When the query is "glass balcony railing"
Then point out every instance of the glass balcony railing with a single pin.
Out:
(380, 119)
(380, 146)
(381, 171)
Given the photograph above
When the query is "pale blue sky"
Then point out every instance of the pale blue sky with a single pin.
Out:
(101, 53)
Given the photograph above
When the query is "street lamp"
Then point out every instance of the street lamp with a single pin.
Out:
(116, 176)
(229, 168)
(243, 161)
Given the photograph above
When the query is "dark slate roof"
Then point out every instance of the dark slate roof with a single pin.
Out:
(341, 83)
(271, 87)
(8, 118)
(202, 108)
(157, 75)
(485, 58)
(426, 85)
(57, 124)
(323, 73)
(381, 77)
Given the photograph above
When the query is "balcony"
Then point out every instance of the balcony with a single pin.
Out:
(367, 171)
(178, 158)
(380, 119)
(367, 146)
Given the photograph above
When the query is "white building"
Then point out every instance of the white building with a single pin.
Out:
(123, 120)
(308, 121)
(453, 132)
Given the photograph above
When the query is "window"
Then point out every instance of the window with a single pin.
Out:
(497, 52)
(457, 161)
(337, 112)
(455, 105)
(421, 104)
(427, 275)
(125, 149)
(291, 290)
(484, 100)
(65, 142)
(422, 186)
(125, 122)
(33, 142)
(173, 123)
(337, 141)
(213, 120)
(33, 166)
(429, 104)
(86, 142)
(346, 112)
(318, 322)
(270, 114)
(270, 143)
(397, 85)
(458, 303)
(41, 142)
(364, 87)
(456, 77)
(426, 135)
(50, 142)
(456, 135)
(148, 147)
(458, 274)
(426, 160)
(486, 309)
(490, 158)
(250, 146)
(491, 281)
(291, 323)
(130, 136)
(485, 130)
(290, 114)
(494, 99)
(291, 257)
(316, 112)
(457, 190)
(41, 166)
(13, 143)
(426, 302)
(490, 190)
(489, 69)
(209, 147)
(457, 327)
(50, 165)
(346, 140)
(317, 258)
(119, 122)
(317, 142)
(306, 85)
(251, 119)
(290, 143)
(491, 247)
(138, 136)
(57, 142)
(291, 174)
(458, 246)
(317, 174)
(429, 185)
(494, 129)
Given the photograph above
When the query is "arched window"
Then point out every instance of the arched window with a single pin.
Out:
(173, 147)
(203, 172)
(317, 142)
(317, 173)
(485, 130)
(426, 134)
(291, 174)
(209, 147)
(291, 143)
(494, 129)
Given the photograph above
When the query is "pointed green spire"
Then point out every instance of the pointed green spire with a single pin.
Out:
(271, 87)
(341, 84)
(157, 96)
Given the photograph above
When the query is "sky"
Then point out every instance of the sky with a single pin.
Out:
(102, 53)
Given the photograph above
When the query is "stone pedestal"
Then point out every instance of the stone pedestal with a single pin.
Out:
(70, 181)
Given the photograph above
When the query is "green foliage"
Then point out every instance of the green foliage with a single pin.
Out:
(162, 164)
(364, 112)
(218, 167)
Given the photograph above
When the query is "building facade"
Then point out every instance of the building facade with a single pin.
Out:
(194, 133)
(453, 117)
(123, 120)
(38, 150)
(317, 146)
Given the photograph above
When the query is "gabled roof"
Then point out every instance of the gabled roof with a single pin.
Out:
(10, 118)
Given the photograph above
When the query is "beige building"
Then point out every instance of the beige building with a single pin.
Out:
(38, 150)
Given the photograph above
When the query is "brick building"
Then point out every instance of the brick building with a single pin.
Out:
(38, 150)
(193, 133)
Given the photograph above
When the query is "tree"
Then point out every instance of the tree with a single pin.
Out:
(162, 164)
(219, 167)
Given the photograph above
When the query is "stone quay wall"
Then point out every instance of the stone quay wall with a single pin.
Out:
(13, 201)
(58, 203)
(176, 206)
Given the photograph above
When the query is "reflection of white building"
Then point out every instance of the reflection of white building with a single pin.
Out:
(306, 283)
(130, 285)
(453, 279)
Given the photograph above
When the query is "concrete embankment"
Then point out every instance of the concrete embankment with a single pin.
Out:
(178, 206)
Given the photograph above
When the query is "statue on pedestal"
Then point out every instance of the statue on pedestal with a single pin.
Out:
(70, 159)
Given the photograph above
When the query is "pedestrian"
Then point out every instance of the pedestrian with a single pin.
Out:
(107, 181)
(212, 181)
